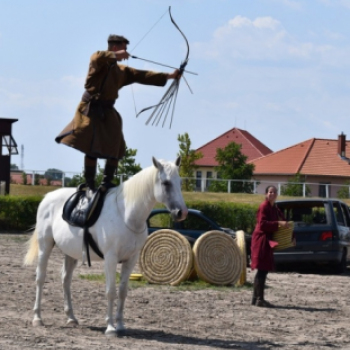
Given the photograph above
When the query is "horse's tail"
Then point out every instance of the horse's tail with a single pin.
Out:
(32, 249)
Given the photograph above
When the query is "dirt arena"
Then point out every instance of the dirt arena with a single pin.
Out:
(312, 312)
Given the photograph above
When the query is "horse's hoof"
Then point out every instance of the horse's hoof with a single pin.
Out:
(111, 333)
(72, 322)
(38, 323)
(121, 333)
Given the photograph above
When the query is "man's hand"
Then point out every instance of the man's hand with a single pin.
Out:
(121, 55)
(175, 75)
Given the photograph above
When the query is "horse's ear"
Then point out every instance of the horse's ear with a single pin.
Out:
(156, 163)
(178, 161)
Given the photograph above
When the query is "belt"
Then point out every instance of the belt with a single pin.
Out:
(87, 97)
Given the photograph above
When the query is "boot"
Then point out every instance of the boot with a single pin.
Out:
(261, 302)
(108, 175)
(255, 291)
(89, 174)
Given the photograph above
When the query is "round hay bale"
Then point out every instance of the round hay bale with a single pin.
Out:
(166, 258)
(240, 240)
(284, 237)
(217, 258)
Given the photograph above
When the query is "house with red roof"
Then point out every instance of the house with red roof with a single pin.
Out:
(251, 147)
(317, 160)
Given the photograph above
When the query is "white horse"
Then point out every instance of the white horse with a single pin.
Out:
(120, 233)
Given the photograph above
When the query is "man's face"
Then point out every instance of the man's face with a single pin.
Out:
(119, 47)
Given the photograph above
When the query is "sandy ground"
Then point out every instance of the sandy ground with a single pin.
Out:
(312, 312)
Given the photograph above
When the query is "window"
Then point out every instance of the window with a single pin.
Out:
(209, 176)
(161, 220)
(322, 189)
(198, 180)
(8, 145)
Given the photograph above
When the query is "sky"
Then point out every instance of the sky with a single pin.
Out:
(276, 68)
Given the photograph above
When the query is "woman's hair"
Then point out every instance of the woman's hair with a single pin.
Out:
(268, 187)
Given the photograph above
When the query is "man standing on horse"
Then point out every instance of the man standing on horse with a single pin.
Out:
(96, 129)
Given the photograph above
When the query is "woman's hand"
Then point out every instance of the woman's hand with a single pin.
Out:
(283, 224)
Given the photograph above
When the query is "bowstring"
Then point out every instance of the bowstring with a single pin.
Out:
(139, 42)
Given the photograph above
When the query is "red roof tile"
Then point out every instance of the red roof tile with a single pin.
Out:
(251, 147)
(311, 157)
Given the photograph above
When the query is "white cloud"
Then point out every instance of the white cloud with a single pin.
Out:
(265, 39)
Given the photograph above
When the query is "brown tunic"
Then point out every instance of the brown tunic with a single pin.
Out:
(103, 137)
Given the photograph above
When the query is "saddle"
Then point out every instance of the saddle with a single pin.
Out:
(82, 211)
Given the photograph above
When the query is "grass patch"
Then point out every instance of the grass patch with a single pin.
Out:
(194, 285)
(30, 190)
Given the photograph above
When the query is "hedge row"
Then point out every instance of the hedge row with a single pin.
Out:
(237, 216)
(19, 213)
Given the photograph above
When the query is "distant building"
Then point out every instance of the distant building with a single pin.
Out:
(251, 147)
(316, 159)
(17, 178)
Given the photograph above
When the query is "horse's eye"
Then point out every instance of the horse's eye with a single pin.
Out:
(166, 183)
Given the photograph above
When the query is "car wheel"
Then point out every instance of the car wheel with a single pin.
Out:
(341, 266)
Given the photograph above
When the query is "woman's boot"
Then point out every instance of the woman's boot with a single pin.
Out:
(255, 291)
(261, 302)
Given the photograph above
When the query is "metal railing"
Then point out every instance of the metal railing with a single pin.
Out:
(327, 190)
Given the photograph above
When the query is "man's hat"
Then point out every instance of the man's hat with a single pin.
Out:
(117, 39)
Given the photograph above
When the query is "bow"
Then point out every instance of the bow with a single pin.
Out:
(168, 101)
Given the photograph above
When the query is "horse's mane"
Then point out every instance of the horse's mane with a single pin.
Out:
(140, 186)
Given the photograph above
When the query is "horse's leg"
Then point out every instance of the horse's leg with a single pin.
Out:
(110, 272)
(45, 248)
(67, 273)
(126, 270)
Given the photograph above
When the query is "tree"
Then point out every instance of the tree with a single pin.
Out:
(127, 167)
(295, 186)
(53, 174)
(343, 192)
(24, 177)
(13, 167)
(75, 181)
(188, 158)
(232, 165)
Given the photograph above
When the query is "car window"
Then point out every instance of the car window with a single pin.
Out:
(307, 213)
(345, 214)
(194, 222)
(338, 213)
(161, 220)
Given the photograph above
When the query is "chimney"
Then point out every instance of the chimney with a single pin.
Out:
(341, 145)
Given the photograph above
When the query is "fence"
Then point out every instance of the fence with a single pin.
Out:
(305, 189)
(64, 179)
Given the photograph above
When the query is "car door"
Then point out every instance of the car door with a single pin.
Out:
(344, 228)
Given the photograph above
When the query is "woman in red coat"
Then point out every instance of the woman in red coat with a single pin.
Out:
(269, 219)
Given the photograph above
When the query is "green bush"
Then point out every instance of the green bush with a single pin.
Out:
(237, 216)
(18, 213)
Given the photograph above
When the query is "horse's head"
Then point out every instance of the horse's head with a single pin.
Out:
(167, 188)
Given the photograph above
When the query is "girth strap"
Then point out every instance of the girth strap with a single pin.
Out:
(89, 241)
